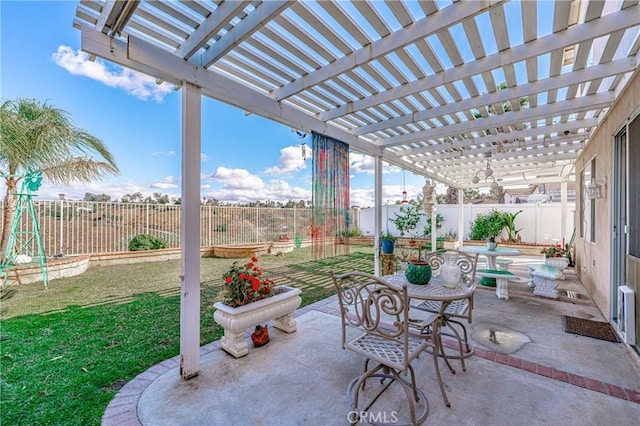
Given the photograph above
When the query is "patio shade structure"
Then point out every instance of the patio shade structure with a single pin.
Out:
(434, 87)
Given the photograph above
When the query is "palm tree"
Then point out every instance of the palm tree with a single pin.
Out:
(36, 136)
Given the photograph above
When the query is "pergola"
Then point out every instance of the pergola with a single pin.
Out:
(439, 88)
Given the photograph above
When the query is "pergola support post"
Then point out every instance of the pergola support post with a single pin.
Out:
(460, 216)
(377, 220)
(190, 232)
(563, 209)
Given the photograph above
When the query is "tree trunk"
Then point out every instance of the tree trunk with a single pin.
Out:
(10, 204)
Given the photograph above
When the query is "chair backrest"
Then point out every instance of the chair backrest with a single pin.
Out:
(374, 306)
(466, 262)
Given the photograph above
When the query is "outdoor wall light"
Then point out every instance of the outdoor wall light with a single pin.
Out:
(594, 188)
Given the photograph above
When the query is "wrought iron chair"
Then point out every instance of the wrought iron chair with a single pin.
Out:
(378, 311)
(455, 310)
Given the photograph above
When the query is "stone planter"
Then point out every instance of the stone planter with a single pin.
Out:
(558, 262)
(237, 251)
(236, 321)
(451, 245)
(281, 247)
(56, 268)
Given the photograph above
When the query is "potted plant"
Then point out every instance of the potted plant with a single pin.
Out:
(387, 240)
(494, 229)
(556, 256)
(451, 240)
(250, 299)
(487, 227)
(418, 270)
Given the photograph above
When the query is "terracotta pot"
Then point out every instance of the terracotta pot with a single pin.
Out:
(260, 336)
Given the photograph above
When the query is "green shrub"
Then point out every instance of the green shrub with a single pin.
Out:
(487, 226)
(146, 242)
(354, 232)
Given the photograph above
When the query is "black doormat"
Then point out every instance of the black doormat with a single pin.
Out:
(589, 328)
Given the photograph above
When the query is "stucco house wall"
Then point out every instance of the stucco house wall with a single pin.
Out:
(593, 260)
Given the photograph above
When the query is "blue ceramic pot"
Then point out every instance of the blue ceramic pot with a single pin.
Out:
(387, 246)
(418, 272)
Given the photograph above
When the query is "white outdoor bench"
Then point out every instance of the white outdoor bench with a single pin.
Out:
(502, 280)
(503, 264)
(543, 279)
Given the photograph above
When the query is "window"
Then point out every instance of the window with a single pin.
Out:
(587, 205)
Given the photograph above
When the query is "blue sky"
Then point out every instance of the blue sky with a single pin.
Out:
(244, 158)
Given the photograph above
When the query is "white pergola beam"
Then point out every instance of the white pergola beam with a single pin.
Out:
(108, 15)
(142, 56)
(577, 34)
(504, 158)
(477, 154)
(211, 26)
(418, 30)
(265, 12)
(586, 103)
(533, 133)
(525, 90)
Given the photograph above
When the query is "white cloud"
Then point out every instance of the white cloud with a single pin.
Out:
(203, 156)
(238, 185)
(237, 179)
(291, 160)
(163, 153)
(361, 197)
(166, 183)
(139, 85)
(361, 163)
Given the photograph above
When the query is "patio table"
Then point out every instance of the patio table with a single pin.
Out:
(435, 290)
(491, 256)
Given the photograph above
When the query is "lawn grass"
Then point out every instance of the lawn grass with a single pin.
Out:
(68, 348)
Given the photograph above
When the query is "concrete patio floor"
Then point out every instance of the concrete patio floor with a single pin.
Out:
(528, 372)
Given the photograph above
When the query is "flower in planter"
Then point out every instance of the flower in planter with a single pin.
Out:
(555, 251)
(245, 284)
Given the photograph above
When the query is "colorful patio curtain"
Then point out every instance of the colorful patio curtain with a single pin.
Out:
(330, 198)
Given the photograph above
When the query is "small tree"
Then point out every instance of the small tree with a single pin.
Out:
(407, 221)
(427, 228)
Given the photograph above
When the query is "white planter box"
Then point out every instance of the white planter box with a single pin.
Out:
(451, 245)
(236, 321)
(557, 262)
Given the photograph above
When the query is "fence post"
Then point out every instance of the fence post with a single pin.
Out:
(257, 224)
(61, 223)
(146, 225)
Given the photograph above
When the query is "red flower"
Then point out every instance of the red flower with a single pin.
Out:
(244, 284)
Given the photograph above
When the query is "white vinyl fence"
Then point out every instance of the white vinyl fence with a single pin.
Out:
(540, 223)
(85, 227)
